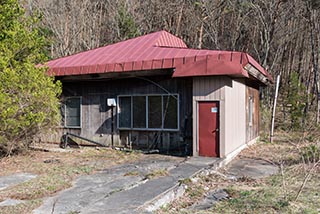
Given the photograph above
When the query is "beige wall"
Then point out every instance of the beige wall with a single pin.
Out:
(231, 96)
(235, 116)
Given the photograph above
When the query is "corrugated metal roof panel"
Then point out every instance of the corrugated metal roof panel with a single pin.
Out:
(159, 50)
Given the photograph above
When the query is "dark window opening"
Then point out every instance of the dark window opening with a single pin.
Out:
(124, 112)
(72, 112)
(149, 112)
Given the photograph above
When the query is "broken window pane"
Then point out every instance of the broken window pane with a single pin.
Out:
(139, 112)
(155, 112)
(125, 112)
(170, 112)
(72, 112)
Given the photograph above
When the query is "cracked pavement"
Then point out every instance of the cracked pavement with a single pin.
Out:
(121, 189)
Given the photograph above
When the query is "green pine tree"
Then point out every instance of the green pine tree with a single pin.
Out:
(127, 27)
(296, 99)
(28, 97)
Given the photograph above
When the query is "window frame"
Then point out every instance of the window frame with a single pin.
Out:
(65, 112)
(175, 95)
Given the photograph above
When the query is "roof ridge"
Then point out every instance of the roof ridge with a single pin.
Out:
(161, 39)
(166, 39)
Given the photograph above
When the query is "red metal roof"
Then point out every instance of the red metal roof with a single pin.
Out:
(159, 50)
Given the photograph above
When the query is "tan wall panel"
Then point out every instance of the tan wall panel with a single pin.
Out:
(231, 96)
(210, 89)
(235, 116)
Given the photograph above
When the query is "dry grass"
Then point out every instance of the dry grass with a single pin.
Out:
(157, 173)
(56, 171)
(275, 194)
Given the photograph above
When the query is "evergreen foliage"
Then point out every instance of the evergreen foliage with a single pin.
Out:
(28, 97)
(127, 27)
(296, 100)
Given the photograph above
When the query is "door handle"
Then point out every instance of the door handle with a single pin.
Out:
(216, 130)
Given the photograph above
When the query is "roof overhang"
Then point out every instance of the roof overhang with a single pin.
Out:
(157, 51)
(257, 74)
(115, 75)
(211, 66)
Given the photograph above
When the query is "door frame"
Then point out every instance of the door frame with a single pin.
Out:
(198, 125)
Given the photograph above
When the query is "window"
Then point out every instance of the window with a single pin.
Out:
(139, 112)
(250, 111)
(124, 112)
(72, 112)
(170, 116)
(154, 112)
(148, 112)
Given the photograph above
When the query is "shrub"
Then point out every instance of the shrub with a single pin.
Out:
(28, 97)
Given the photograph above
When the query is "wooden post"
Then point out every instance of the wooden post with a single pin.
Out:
(274, 108)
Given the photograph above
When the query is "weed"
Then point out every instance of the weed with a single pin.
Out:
(245, 193)
(310, 153)
(157, 173)
(195, 191)
(281, 204)
(23, 208)
(132, 173)
(73, 212)
(185, 181)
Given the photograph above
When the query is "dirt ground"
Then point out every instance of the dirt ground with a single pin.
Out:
(295, 189)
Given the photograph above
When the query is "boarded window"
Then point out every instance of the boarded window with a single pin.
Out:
(72, 115)
(149, 112)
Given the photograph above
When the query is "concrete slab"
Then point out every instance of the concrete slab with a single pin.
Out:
(10, 202)
(211, 199)
(251, 168)
(238, 168)
(10, 180)
(123, 189)
(92, 189)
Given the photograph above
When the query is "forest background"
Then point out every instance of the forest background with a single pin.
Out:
(284, 37)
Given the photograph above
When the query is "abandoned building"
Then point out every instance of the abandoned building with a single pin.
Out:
(153, 92)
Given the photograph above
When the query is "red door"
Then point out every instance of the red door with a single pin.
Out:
(209, 129)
